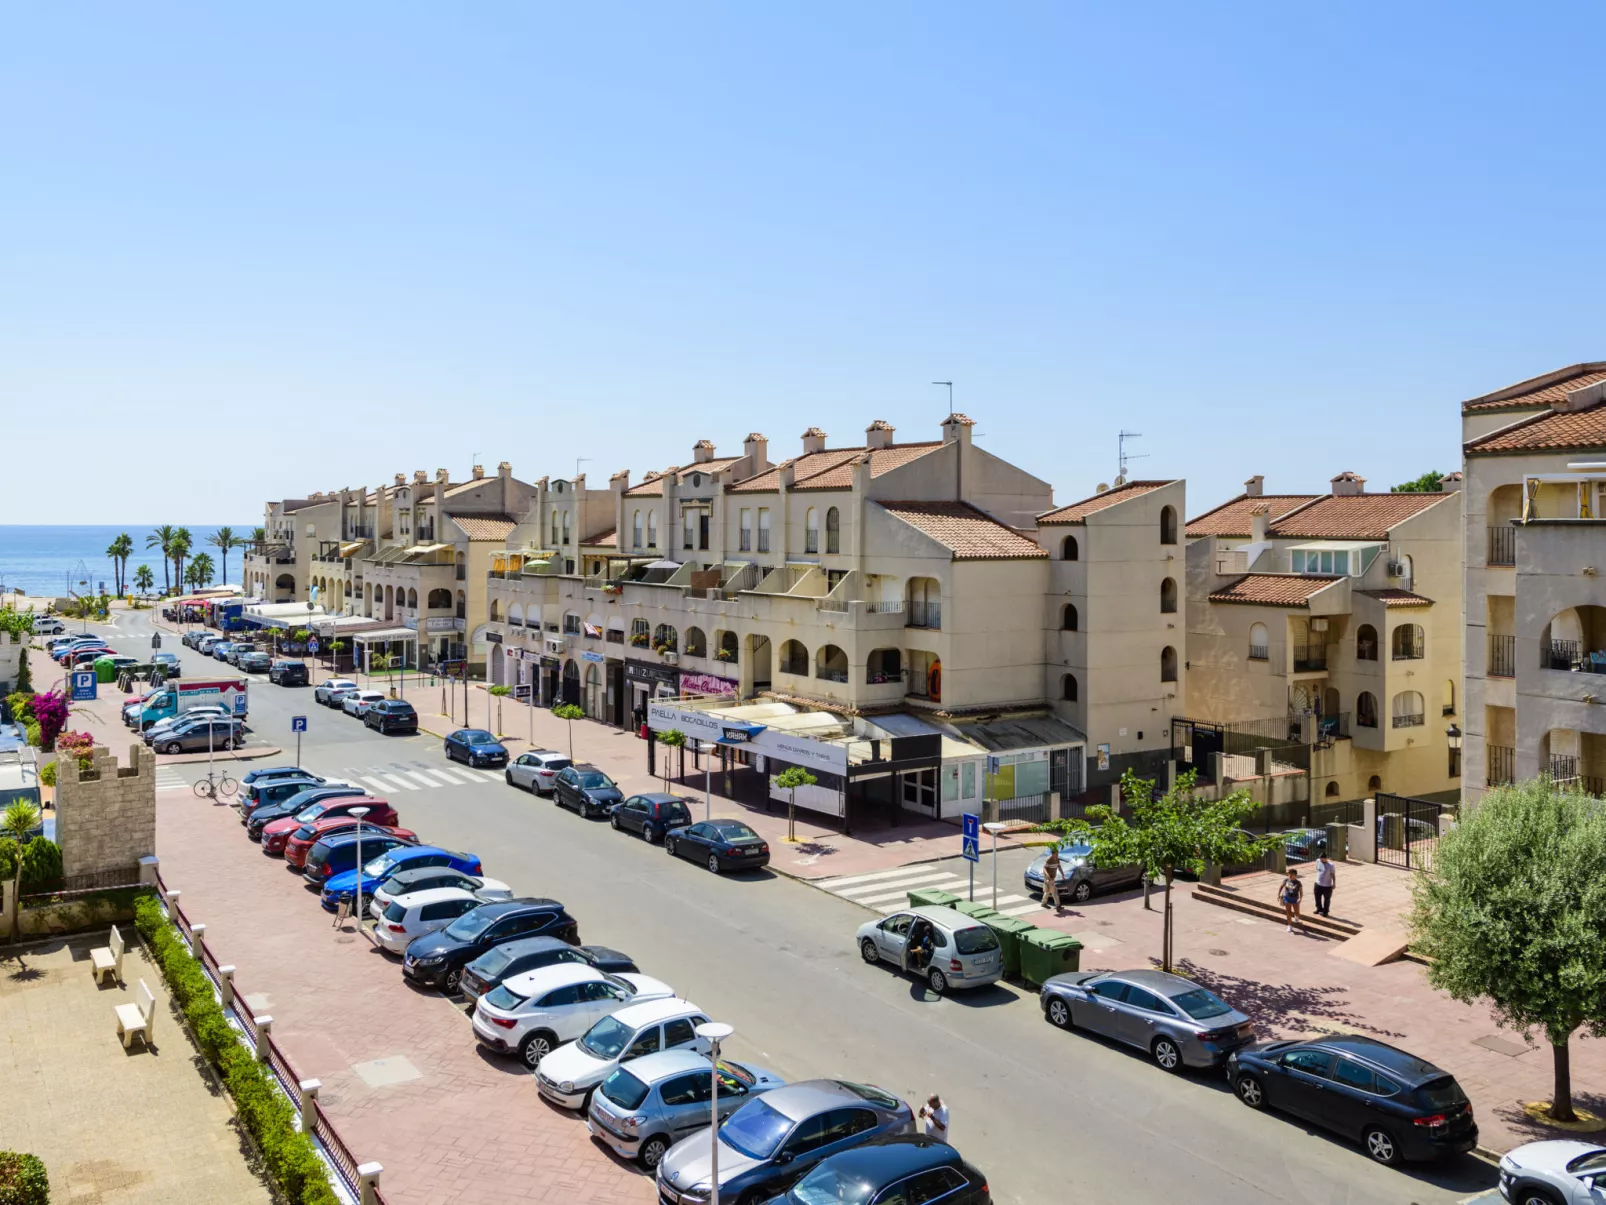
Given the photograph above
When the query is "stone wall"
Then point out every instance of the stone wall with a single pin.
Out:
(106, 816)
(12, 650)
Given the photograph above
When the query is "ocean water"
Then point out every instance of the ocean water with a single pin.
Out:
(51, 560)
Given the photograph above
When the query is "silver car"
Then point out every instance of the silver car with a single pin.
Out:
(1178, 1022)
(536, 770)
(1559, 1172)
(326, 692)
(945, 948)
(642, 1110)
(1079, 879)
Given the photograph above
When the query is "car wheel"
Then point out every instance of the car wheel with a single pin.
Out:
(614, 821)
(175, 747)
(937, 981)
(652, 1152)
(508, 775)
(868, 951)
(1058, 1013)
(1166, 1054)
(1250, 1091)
(1082, 892)
(535, 1048)
(1380, 1145)
(647, 834)
(1534, 1196)
(669, 847)
(713, 863)
(585, 1102)
(452, 982)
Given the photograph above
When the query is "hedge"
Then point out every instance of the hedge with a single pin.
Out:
(267, 1115)
(23, 1180)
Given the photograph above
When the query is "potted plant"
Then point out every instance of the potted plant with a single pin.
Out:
(638, 640)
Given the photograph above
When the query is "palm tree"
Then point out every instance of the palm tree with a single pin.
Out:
(183, 541)
(119, 550)
(144, 579)
(259, 537)
(201, 571)
(162, 538)
(17, 822)
(224, 539)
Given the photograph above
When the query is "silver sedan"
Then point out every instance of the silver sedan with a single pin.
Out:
(1178, 1022)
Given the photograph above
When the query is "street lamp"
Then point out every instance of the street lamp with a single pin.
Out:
(359, 813)
(1452, 736)
(995, 827)
(714, 1032)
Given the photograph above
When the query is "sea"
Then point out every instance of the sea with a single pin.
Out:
(52, 560)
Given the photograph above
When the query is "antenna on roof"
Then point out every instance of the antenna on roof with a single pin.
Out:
(578, 461)
(1125, 456)
(950, 385)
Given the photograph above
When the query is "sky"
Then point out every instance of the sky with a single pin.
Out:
(252, 251)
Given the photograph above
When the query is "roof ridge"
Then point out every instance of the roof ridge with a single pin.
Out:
(1535, 384)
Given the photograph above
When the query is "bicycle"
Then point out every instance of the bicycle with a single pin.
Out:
(212, 787)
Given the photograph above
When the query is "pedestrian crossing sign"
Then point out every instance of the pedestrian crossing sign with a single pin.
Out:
(972, 837)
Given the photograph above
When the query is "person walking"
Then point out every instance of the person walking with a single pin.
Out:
(935, 1114)
(1051, 880)
(1289, 893)
(1326, 878)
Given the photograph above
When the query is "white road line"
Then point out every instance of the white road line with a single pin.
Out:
(929, 879)
(848, 881)
(415, 776)
(440, 774)
(875, 901)
(1022, 909)
(385, 784)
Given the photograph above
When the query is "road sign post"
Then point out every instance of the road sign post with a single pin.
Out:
(972, 847)
(298, 725)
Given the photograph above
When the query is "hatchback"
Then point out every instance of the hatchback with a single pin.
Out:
(719, 845)
(568, 1075)
(270, 792)
(419, 912)
(650, 816)
(301, 841)
(642, 1110)
(531, 954)
(197, 735)
(893, 1171)
(288, 673)
(1178, 1022)
(161, 728)
(1558, 1172)
(1396, 1105)
(410, 881)
(438, 960)
(475, 746)
(391, 715)
(357, 702)
(325, 692)
(334, 856)
(206, 644)
(775, 1139)
(536, 770)
(385, 862)
(1079, 879)
(46, 625)
(219, 649)
(276, 834)
(945, 948)
(585, 790)
(534, 1013)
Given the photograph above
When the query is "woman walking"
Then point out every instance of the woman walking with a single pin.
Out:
(1289, 893)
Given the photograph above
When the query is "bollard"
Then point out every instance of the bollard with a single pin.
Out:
(264, 1027)
(309, 1104)
(225, 988)
(368, 1182)
(197, 932)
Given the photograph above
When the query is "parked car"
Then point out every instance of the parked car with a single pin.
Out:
(531, 954)
(950, 949)
(195, 735)
(288, 673)
(419, 912)
(1079, 879)
(325, 692)
(1304, 844)
(168, 664)
(650, 816)
(304, 838)
(1558, 1172)
(238, 652)
(1396, 1105)
(135, 705)
(775, 1139)
(274, 789)
(534, 1013)
(1178, 1022)
(255, 663)
(381, 864)
(569, 1074)
(391, 715)
(719, 845)
(438, 959)
(536, 770)
(276, 834)
(45, 625)
(643, 1109)
(413, 879)
(586, 790)
(332, 857)
(85, 656)
(161, 728)
(297, 802)
(67, 652)
(220, 649)
(893, 1171)
(192, 637)
(357, 702)
(269, 773)
(207, 643)
(475, 746)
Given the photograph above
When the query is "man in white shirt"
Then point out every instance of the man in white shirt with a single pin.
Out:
(1326, 878)
(935, 1114)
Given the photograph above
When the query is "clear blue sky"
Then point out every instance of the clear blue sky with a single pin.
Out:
(254, 250)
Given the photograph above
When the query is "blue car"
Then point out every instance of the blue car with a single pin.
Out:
(475, 746)
(343, 885)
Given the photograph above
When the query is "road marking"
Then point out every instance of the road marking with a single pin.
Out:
(385, 784)
(169, 779)
(415, 776)
(887, 891)
(869, 891)
(439, 774)
(832, 884)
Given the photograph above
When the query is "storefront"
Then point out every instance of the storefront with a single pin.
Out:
(710, 685)
(646, 681)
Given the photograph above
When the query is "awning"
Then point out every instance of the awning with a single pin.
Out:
(1023, 732)
(336, 625)
(385, 636)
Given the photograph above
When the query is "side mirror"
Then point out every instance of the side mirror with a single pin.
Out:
(784, 1158)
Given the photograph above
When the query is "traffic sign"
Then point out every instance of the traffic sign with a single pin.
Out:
(156, 640)
(972, 837)
(298, 723)
(522, 692)
(83, 685)
(992, 765)
(312, 646)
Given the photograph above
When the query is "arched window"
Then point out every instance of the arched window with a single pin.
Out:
(1168, 596)
(496, 611)
(1168, 525)
(1407, 642)
(1332, 790)
(554, 529)
(794, 658)
(462, 605)
(883, 665)
(565, 527)
(1069, 549)
(1259, 642)
(412, 600)
(831, 664)
(811, 530)
(1449, 696)
(440, 600)
(377, 595)
(725, 646)
(1366, 710)
(1366, 643)
(1068, 687)
(1068, 618)
(1374, 783)
(696, 643)
(635, 530)
(1407, 710)
(924, 608)
(665, 639)
(284, 582)
(652, 529)
(833, 530)
(1168, 664)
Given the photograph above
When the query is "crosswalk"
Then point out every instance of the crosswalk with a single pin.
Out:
(888, 890)
(393, 777)
(169, 779)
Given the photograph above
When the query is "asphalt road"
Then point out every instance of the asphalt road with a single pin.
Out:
(1048, 1115)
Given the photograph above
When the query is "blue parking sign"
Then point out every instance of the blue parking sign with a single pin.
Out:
(83, 685)
(972, 837)
(298, 723)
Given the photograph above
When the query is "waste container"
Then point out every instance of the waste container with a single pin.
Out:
(973, 907)
(1045, 953)
(1008, 930)
(919, 896)
(105, 670)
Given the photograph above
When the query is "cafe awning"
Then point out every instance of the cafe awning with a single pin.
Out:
(385, 636)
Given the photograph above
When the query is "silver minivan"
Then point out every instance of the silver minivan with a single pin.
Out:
(945, 948)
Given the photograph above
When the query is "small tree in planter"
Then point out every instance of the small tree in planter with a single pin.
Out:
(675, 739)
(571, 713)
(501, 692)
(790, 779)
(18, 820)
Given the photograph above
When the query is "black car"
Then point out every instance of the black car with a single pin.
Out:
(475, 746)
(532, 953)
(718, 845)
(437, 959)
(1396, 1105)
(265, 814)
(391, 715)
(338, 854)
(255, 663)
(288, 673)
(892, 1171)
(586, 790)
(650, 816)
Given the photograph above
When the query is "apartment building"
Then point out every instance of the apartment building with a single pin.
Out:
(1534, 468)
(1330, 621)
(295, 528)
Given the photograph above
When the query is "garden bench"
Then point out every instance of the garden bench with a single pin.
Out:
(108, 959)
(137, 1018)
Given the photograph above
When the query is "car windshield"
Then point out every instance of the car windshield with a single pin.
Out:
(479, 738)
(756, 1129)
(976, 941)
(380, 866)
(313, 812)
(302, 833)
(501, 996)
(593, 779)
(624, 1090)
(1201, 1005)
(606, 1039)
(470, 925)
(736, 831)
(1443, 1093)
(825, 1185)
(1588, 1164)
(396, 911)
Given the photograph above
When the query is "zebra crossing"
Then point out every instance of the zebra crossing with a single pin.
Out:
(393, 777)
(888, 890)
(169, 779)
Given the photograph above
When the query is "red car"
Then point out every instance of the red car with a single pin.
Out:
(277, 833)
(309, 834)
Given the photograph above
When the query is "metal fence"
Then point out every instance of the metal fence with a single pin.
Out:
(1502, 656)
(1502, 546)
(1502, 765)
(1032, 809)
(1407, 831)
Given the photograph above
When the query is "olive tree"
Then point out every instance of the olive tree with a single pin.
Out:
(570, 712)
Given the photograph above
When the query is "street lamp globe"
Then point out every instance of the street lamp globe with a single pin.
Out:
(713, 1032)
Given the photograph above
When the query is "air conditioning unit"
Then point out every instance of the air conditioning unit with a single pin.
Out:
(1396, 569)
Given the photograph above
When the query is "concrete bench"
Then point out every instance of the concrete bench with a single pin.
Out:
(137, 1018)
(108, 959)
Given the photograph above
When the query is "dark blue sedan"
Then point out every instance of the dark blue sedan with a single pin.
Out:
(475, 746)
(719, 845)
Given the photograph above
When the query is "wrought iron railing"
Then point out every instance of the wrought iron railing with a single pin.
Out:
(1412, 720)
(1559, 654)
(1502, 545)
(923, 615)
(1502, 656)
(1260, 652)
(1501, 767)
(1310, 658)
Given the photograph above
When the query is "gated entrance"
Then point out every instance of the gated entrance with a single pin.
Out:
(1407, 831)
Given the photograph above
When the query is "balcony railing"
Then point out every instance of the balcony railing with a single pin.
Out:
(1559, 654)
(893, 606)
(1408, 648)
(1502, 545)
(1333, 727)
(462, 573)
(426, 535)
(1502, 765)
(1414, 720)
(923, 615)
(1502, 656)
(1564, 770)
(360, 531)
(1259, 652)
(1310, 658)
(728, 656)
(832, 675)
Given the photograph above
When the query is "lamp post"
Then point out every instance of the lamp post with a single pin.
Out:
(359, 813)
(995, 827)
(714, 1032)
(707, 749)
(1452, 736)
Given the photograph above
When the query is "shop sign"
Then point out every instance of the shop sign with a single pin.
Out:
(788, 747)
(588, 655)
(706, 684)
(646, 671)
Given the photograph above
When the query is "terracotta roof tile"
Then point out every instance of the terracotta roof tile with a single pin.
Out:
(653, 486)
(1542, 393)
(1273, 589)
(484, 527)
(1398, 598)
(607, 539)
(1077, 512)
(1233, 518)
(1353, 516)
(832, 469)
(1552, 431)
(971, 534)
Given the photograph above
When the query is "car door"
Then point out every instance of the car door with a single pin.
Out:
(1300, 1082)
(1350, 1102)
(603, 999)
(566, 1012)
(433, 916)
(685, 1100)
(682, 1032)
(631, 813)
(843, 1128)
(1142, 1016)
(649, 1039)
(1101, 1012)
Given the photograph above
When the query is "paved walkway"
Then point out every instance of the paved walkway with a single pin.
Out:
(114, 1127)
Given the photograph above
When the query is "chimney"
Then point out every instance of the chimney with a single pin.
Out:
(702, 451)
(401, 478)
(758, 447)
(957, 427)
(479, 472)
(1347, 485)
(620, 481)
(442, 477)
(1255, 486)
(420, 477)
(504, 469)
(1258, 519)
(1451, 483)
(813, 440)
(878, 434)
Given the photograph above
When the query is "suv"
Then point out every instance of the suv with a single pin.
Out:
(288, 673)
(531, 954)
(650, 816)
(391, 715)
(336, 855)
(276, 834)
(301, 796)
(384, 863)
(47, 625)
(533, 1013)
(327, 692)
(536, 770)
(438, 959)
(586, 790)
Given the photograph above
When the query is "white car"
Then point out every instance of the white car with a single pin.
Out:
(358, 702)
(570, 1072)
(411, 882)
(534, 1013)
(1561, 1172)
(536, 770)
(162, 727)
(324, 692)
(420, 912)
(47, 625)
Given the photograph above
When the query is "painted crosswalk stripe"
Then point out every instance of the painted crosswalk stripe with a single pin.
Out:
(866, 891)
(384, 784)
(414, 777)
(436, 777)
(901, 872)
(169, 779)
(898, 897)
(1021, 909)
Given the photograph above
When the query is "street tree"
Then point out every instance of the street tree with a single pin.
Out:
(1431, 482)
(1514, 912)
(17, 822)
(144, 579)
(162, 538)
(500, 692)
(119, 550)
(674, 738)
(223, 539)
(201, 571)
(183, 543)
(789, 780)
(1179, 831)
(571, 713)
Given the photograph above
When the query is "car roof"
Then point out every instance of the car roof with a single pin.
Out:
(532, 945)
(894, 1156)
(559, 974)
(1159, 982)
(660, 797)
(500, 907)
(649, 1011)
(351, 839)
(945, 918)
(805, 1099)
(413, 874)
(1390, 1058)
(431, 895)
(660, 1065)
(545, 754)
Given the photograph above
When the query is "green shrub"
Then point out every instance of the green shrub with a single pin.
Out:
(23, 1180)
(41, 865)
(19, 706)
(47, 774)
(36, 737)
(8, 858)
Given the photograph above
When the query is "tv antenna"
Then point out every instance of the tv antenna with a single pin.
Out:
(950, 386)
(1125, 456)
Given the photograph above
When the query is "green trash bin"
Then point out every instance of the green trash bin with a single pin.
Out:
(972, 907)
(1008, 930)
(920, 896)
(105, 670)
(1047, 952)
